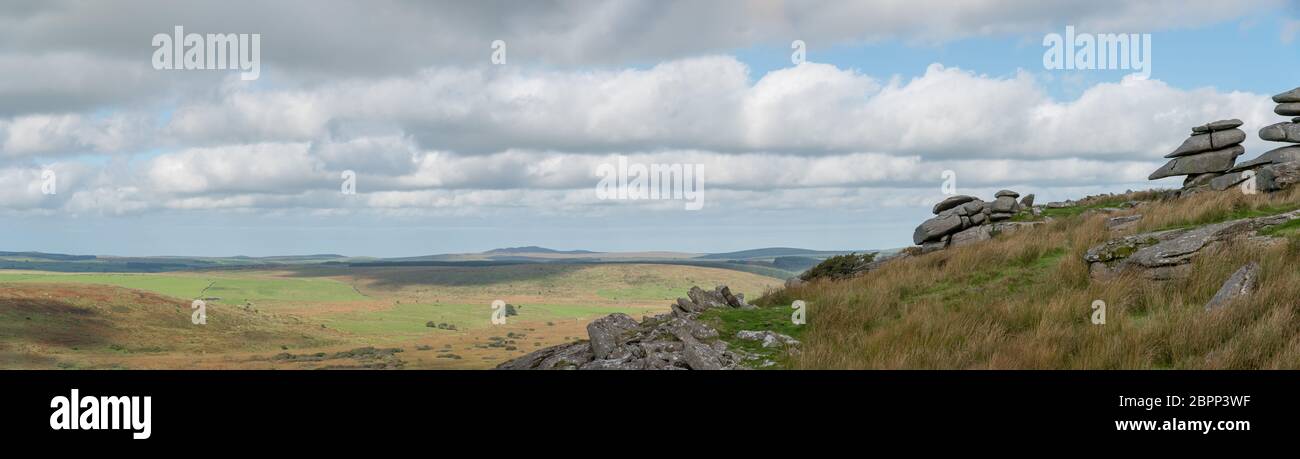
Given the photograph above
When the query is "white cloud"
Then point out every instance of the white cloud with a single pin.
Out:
(709, 104)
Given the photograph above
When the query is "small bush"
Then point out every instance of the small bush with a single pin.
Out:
(839, 267)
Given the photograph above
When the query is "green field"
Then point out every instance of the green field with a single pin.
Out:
(229, 289)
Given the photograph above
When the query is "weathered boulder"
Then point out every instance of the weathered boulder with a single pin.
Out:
(1004, 204)
(606, 332)
(1274, 177)
(1213, 161)
(971, 235)
(1287, 109)
(951, 202)
(1028, 201)
(1215, 140)
(1274, 156)
(1006, 193)
(937, 227)
(1281, 132)
(1239, 285)
(1166, 254)
(931, 246)
(1289, 96)
(1225, 181)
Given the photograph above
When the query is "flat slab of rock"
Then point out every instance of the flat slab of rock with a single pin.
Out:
(1289, 96)
(1281, 132)
(952, 201)
(1239, 285)
(1219, 125)
(1276, 155)
(1122, 223)
(1212, 161)
(1166, 254)
(1216, 140)
(1287, 109)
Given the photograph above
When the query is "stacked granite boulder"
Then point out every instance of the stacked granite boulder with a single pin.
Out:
(1278, 168)
(1209, 153)
(961, 220)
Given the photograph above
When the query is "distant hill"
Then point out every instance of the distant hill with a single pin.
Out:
(773, 252)
(534, 249)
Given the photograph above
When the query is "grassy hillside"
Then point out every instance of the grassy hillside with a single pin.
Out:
(55, 325)
(1023, 300)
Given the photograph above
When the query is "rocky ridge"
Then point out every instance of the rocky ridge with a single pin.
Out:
(673, 341)
(1167, 254)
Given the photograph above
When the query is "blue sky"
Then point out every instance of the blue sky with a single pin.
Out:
(454, 154)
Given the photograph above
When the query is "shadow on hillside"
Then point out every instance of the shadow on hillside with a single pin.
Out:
(442, 276)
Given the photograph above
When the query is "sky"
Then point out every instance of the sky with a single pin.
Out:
(454, 152)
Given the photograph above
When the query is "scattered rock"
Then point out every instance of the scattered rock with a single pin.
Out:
(1239, 285)
(1122, 223)
(769, 339)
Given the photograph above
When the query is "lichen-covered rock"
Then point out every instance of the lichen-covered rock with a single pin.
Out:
(1163, 255)
(1239, 285)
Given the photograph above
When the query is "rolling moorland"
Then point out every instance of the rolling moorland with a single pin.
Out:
(287, 313)
(1020, 299)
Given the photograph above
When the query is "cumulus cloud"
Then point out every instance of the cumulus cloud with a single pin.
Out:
(709, 104)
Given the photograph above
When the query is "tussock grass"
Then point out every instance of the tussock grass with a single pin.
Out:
(1024, 301)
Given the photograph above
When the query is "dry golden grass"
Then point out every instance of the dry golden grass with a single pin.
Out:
(1024, 301)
